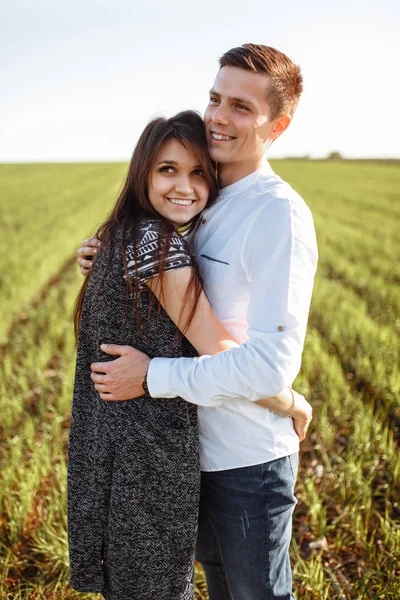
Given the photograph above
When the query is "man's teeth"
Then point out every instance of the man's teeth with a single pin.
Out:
(181, 202)
(217, 136)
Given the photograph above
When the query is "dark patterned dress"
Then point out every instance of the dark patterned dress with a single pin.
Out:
(133, 472)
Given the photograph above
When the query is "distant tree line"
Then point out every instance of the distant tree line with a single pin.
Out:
(336, 156)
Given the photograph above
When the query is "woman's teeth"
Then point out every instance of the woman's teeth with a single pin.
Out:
(181, 202)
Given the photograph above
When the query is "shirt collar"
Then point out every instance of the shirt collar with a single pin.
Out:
(244, 183)
(185, 229)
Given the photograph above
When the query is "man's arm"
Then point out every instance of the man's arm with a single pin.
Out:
(280, 260)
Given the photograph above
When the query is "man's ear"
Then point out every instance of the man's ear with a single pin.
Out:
(280, 125)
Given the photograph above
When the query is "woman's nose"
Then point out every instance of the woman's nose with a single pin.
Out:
(184, 186)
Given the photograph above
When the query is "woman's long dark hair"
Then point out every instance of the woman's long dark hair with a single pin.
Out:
(133, 204)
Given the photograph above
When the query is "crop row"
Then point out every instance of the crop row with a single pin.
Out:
(27, 361)
(369, 354)
(376, 254)
(369, 191)
(347, 537)
(46, 211)
(382, 299)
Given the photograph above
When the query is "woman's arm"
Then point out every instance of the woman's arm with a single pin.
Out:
(208, 336)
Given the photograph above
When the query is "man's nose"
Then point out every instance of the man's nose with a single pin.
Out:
(220, 115)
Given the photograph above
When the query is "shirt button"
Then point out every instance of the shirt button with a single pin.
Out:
(280, 328)
(204, 221)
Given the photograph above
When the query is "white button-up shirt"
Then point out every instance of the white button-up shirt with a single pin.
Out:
(257, 253)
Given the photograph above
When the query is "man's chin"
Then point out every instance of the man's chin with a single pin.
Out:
(218, 155)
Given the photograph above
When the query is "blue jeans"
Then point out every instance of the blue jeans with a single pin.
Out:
(245, 528)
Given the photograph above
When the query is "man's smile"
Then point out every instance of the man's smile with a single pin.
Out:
(220, 137)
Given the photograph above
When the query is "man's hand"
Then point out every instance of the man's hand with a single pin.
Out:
(89, 248)
(302, 415)
(120, 379)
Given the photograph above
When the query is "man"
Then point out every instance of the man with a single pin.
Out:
(257, 252)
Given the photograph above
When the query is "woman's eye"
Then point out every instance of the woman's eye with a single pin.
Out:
(167, 170)
(199, 172)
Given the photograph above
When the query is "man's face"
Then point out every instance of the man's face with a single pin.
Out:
(237, 116)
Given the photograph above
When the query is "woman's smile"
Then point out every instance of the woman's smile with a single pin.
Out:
(181, 202)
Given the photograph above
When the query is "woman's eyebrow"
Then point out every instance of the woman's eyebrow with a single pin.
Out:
(173, 162)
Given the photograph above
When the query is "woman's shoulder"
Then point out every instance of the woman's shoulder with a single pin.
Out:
(145, 231)
(154, 243)
(151, 231)
(148, 229)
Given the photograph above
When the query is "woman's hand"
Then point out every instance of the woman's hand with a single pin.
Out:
(291, 406)
(301, 415)
(88, 249)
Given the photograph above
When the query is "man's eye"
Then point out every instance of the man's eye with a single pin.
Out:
(241, 107)
(213, 100)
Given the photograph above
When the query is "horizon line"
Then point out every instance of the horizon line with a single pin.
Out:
(124, 161)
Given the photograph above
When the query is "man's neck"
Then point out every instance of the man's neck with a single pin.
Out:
(229, 173)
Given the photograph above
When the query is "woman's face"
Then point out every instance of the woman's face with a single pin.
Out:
(177, 188)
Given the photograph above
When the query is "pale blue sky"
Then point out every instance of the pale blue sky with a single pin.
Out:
(80, 79)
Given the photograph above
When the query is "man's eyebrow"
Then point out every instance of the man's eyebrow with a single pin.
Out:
(237, 100)
(244, 101)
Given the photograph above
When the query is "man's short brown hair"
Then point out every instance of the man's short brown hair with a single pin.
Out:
(286, 81)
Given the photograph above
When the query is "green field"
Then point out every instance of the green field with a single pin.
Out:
(346, 528)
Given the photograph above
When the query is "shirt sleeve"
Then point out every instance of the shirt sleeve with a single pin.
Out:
(143, 257)
(279, 259)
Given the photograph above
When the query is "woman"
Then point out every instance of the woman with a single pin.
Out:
(133, 466)
(134, 474)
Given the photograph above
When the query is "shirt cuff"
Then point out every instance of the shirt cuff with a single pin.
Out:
(158, 378)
